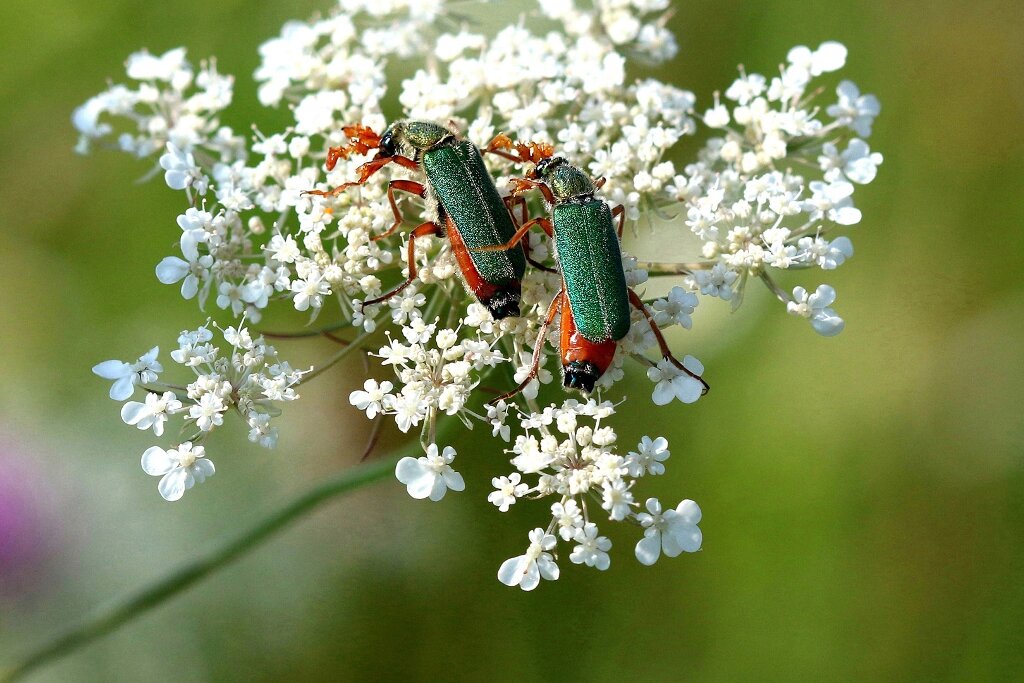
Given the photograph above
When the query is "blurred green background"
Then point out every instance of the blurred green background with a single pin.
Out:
(862, 495)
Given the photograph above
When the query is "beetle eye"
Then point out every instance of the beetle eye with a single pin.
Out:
(388, 148)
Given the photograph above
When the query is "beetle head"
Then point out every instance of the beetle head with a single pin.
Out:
(543, 167)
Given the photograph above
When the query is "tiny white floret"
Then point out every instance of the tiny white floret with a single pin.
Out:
(179, 468)
(431, 475)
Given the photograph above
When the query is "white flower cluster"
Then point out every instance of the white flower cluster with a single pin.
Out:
(171, 105)
(248, 381)
(570, 456)
(437, 370)
(251, 235)
(751, 210)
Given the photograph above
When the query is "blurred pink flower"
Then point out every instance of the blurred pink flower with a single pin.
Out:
(26, 530)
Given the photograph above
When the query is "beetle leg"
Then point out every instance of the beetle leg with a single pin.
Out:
(536, 264)
(662, 344)
(531, 152)
(409, 186)
(406, 162)
(544, 223)
(620, 213)
(511, 203)
(366, 171)
(538, 349)
(521, 185)
(420, 231)
(498, 145)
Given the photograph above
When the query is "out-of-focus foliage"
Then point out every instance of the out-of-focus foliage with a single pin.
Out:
(862, 494)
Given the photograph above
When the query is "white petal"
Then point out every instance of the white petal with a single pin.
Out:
(190, 240)
(172, 486)
(870, 105)
(648, 550)
(548, 569)
(663, 393)
(689, 512)
(176, 180)
(189, 287)
(861, 171)
(510, 572)
(133, 411)
(156, 462)
(687, 389)
(122, 389)
(830, 56)
(423, 486)
(801, 54)
(843, 245)
(693, 365)
(839, 190)
(454, 481)
(823, 296)
(827, 323)
(202, 469)
(531, 578)
(670, 545)
(437, 488)
(112, 369)
(171, 269)
(847, 215)
(408, 469)
(689, 539)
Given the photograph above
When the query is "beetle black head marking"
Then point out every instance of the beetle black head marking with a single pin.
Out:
(544, 165)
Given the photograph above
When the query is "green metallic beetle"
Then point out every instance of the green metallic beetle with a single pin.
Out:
(594, 300)
(471, 213)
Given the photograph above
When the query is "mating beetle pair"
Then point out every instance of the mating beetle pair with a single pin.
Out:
(594, 300)
(468, 206)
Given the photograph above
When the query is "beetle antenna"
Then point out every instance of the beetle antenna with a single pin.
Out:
(361, 140)
(525, 153)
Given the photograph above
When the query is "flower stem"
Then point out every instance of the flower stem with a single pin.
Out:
(668, 268)
(307, 333)
(114, 615)
(354, 345)
(779, 292)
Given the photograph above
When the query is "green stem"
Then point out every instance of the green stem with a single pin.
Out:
(307, 333)
(779, 292)
(353, 346)
(667, 268)
(116, 614)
